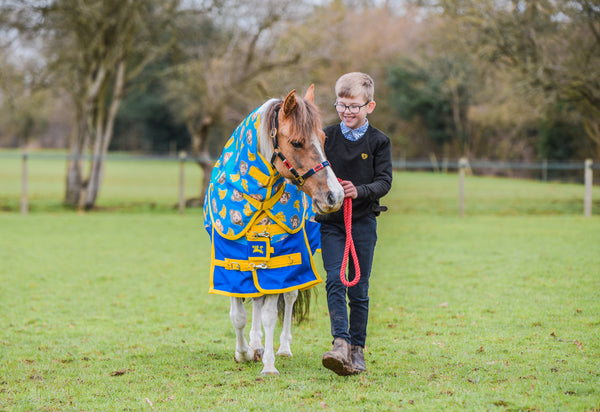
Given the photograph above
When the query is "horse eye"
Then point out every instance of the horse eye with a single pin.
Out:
(297, 145)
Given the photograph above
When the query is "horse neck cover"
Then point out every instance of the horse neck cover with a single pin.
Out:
(243, 183)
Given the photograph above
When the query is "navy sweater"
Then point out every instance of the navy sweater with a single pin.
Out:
(367, 163)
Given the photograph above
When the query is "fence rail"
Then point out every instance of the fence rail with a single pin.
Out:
(398, 164)
(463, 166)
(424, 164)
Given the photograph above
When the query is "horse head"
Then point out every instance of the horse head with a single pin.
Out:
(297, 140)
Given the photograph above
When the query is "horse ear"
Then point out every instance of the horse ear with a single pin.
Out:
(289, 104)
(310, 94)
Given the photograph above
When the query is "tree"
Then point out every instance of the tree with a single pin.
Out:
(437, 95)
(22, 103)
(145, 121)
(94, 47)
(362, 35)
(224, 56)
(23, 96)
(552, 44)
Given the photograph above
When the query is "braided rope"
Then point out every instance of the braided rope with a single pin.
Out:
(349, 248)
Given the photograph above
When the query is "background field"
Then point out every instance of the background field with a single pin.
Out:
(109, 310)
(141, 184)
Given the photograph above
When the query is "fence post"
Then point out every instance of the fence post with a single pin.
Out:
(182, 157)
(462, 165)
(24, 185)
(434, 162)
(545, 170)
(587, 202)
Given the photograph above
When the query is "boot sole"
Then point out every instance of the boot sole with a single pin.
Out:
(337, 366)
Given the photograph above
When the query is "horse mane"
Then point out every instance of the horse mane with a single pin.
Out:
(305, 119)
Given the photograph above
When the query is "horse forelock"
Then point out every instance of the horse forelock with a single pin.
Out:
(306, 121)
(305, 118)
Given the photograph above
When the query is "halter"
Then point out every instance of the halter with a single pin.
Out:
(298, 180)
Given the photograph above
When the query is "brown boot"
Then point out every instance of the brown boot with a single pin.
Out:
(358, 359)
(338, 359)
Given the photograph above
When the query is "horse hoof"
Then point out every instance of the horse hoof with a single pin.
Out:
(284, 353)
(258, 353)
(270, 373)
(243, 356)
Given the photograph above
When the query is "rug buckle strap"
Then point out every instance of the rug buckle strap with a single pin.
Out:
(274, 262)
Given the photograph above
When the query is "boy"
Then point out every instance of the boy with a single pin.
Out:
(360, 155)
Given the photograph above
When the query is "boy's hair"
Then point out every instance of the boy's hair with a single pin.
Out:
(355, 84)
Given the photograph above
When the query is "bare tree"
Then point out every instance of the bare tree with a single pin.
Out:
(225, 56)
(22, 92)
(553, 45)
(94, 48)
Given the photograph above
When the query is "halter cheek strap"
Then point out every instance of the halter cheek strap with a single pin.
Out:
(298, 179)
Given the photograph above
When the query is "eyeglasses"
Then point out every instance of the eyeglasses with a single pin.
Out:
(341, 108)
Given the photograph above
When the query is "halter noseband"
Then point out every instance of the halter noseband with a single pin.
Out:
(298, 180)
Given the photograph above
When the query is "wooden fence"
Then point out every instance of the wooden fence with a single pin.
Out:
(463, 166)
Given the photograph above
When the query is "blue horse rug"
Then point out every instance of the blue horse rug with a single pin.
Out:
(262, 229)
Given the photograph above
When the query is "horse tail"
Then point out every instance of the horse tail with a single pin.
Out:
(301, 310)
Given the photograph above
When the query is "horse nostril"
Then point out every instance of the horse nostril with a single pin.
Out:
(330, 198)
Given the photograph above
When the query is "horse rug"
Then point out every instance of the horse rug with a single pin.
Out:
(262, 228)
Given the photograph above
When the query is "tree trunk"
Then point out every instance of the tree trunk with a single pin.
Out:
(592, 128)
(200, 134)
(104, 133)
(457, 118)
(74, 176)
(206, 164)
(74, 180)
(76, 184)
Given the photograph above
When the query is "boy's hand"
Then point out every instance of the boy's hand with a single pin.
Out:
(349, 189)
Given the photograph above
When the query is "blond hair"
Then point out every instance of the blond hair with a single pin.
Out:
(355, 84)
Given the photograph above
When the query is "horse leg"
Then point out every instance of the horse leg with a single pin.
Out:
(256, 330)
(285, 339)
(269, 319)
(237, 314)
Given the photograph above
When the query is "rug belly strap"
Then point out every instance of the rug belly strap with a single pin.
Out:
(251, 265)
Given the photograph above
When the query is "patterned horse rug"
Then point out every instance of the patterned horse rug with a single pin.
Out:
(262, 228)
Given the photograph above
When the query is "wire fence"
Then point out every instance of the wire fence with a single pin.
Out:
(571, 171)
(578, 172)
(543, 168)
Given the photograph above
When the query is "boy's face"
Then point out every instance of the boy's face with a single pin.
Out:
(350, 119)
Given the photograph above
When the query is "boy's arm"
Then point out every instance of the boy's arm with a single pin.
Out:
(382, 180)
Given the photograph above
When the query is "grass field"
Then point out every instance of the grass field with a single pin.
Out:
(498, 310)
(138, 185)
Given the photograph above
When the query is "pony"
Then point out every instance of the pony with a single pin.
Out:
(259, 209)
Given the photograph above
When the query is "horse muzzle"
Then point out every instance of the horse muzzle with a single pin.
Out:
(331, 200)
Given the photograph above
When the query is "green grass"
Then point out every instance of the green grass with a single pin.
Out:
(497, 310)
(140, 185)
(144, 185)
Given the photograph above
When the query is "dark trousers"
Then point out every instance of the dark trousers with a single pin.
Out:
(352, 328)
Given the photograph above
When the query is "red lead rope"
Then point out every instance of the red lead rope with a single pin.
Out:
(349, 246)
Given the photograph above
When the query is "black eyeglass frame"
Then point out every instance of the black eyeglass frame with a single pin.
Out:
(349, 108)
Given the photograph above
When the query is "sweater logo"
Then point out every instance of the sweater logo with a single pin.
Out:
(364, 155)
